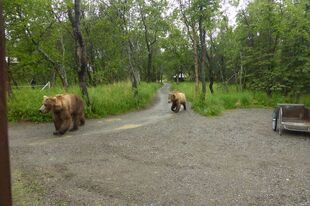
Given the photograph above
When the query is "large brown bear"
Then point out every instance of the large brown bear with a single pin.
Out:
(65, 109)
(177, 99)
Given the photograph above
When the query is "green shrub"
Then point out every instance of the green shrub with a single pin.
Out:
(228, 101)
(216, 103)
(105, 100)
(306, 100)
(245, 99)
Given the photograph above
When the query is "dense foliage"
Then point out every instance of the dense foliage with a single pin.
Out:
(267, 49)
(105, 100)
(274, 46)
(216, 104)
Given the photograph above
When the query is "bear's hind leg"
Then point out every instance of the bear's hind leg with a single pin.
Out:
(184, 105)
(76, 122)
(82, 120)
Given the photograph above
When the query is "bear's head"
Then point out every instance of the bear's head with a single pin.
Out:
(171, 97)
(50, 104)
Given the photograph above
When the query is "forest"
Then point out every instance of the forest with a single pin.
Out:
(264, 48)
(124, 58)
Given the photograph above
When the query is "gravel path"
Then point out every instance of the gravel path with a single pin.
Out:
(157, 157)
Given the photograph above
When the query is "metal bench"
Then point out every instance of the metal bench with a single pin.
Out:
(294, 117)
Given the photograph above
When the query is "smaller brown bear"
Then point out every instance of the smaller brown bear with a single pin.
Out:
(177, 99)
(65, 108)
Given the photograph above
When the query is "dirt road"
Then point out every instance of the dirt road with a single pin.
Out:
(156, 157)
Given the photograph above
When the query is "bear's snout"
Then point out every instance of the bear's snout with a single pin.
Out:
(42, 109)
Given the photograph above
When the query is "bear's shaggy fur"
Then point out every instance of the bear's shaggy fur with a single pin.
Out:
(177, 99)
(65, 109)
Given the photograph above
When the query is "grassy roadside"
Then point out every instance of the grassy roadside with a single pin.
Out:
(221, 100)
(25, 192)
(105, 100)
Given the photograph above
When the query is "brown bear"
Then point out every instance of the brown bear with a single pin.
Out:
(177, 99)
(65, 109)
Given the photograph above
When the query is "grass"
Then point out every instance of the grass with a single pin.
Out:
(105, 100)
(27, 190)
(221, 100)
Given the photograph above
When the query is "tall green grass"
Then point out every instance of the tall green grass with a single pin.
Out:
(222, 100)
(105, 100)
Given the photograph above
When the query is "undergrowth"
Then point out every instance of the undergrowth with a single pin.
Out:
(105, 100)
(221, 100)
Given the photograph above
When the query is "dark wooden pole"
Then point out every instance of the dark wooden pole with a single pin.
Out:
(5, 177)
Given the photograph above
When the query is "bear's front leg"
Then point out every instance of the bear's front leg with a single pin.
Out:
(177, 106)
(65, 125)
(173, 107)
(177, 109)
(57, 124)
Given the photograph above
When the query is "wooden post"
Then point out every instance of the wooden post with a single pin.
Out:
(5, 177)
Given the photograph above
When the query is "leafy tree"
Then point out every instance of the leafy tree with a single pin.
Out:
(152, 26)
(105, 41)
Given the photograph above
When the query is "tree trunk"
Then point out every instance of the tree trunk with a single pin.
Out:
(223, 73)
(9, 84)
(134, 74)
(10, 76)
(211, 84)
(241, 72)
(211, 78)
(177, 75)
(149, 44)
(132, 71)
(211, 61)
(83, 85)
(90, 78)
(194, 38)
(58, 68)
(161, 73)
(5, 174)
(63, 76)
(62, 70)
(203, 53)
(149, 66)
(53, 78)
(196, 56)
(92, 63)
(56, 65)
(91, 59)
(80, 48)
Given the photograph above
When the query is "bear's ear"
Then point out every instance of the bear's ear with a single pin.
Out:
(45, 97)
